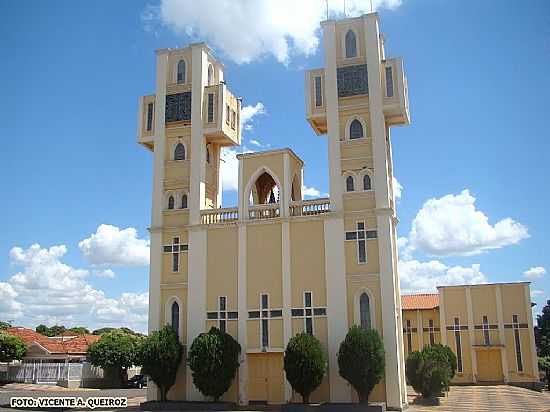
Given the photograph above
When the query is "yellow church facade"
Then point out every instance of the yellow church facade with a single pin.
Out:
(277, 264)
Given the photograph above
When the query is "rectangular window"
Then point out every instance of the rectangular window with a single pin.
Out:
(210, 107)
(222, 325)
(175, 262)
(265, 333)
(409, 337)
(309, 326)
(264, 301)
(276, 313)
(150, 107)
(432, 340)
(362, 251)
(222, 303)
(319, 312)
(318, 92)
(517, 341)
(307, 299)
(227, 114)
(389, 81)
(233, 119)
(297, 312)
(458, 345)
(486, 336)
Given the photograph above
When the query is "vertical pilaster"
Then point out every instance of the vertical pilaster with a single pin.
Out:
(442, 317)
(529, 315)
(420, 331)
(333, 121)
(287, 293)
(471, 332)
(501, 335)
(243, 311)
(337, 315)
(155, 264)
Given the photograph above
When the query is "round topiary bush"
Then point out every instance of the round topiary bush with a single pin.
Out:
(305, 364)
(430, 371)
(361, 360)
(214, 359)
(160, 358)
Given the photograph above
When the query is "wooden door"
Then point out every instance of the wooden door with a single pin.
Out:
(275, 380)
(489, 366)
(257, 377)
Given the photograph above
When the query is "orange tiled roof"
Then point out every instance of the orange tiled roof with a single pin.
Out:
(76, 345)
(420, 301)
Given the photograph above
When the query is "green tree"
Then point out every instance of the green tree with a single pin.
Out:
(543, 331)
(214, 359)
(101, 331)
(115, 352)
(361, 360)
(11, 347)
(544, 365)
(430, 371)
(55, 330)
(305, 364)
(79, 330)
(160, 356)
(4, 325)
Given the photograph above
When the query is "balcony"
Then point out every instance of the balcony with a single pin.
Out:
(316, 111)
(396, 95)
(146, 121)
(302, 208)
(221, 115)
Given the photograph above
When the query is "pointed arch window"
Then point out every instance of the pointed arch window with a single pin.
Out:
(179, 152)
(210, 75)
(175, 318)
(356, 129)
(366, 182)
(351, 44)
(184, 201)
(171, 202)
(350, 187)
(181, 72)
(364, 311)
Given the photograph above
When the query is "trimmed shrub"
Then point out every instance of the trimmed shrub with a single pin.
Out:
(11, 347)
(305, 364)
(361, 360)
(214, 359)
(430, 371)
(160, 358)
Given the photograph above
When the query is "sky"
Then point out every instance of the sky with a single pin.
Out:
(472, 167)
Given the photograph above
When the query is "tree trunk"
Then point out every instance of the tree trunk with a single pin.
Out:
(305, 398)
(163, 392)
(363, 398)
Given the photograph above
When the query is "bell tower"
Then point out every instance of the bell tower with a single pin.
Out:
(355, 100)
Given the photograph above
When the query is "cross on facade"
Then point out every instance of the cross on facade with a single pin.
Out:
(361, 235)
(408, 330)
(486, 327)
(431, 329)
(222, 315)
(308, 312)
(175, 248)
(516, 326)
(265, 314)
(457, 328)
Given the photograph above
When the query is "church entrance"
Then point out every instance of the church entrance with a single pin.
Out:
(265, 377)
(489, 365)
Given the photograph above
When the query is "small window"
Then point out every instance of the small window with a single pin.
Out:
(171, 202)
(364, 311)
(350, 187)
(227, 114)
(181, 72)
(210, 75)
(307, 299)
(233, 119)
(389, 81)
(150, 107)
(351, 44)
(309, 326)
(264, 300)
(179, 152)
(265, 333)
(210, 107)
(366, 182)
(207, 154)
(175, 318)
(362, 251)
(175, 262)
(184, 202)
(355, 129)
(318, 92)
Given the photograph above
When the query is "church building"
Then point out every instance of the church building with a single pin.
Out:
(277, 264)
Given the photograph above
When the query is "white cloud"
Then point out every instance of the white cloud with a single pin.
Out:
(425, 276)
(248, 113)
(46, 290)
(537, 293)
(111, 245)
(229, 169)
(535, 272)
(107, 273)
(247, 30)
(451, 225)
(397, 189)
(310, 191)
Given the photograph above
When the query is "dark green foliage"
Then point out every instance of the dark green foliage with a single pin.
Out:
(160, 356)
(305, 364)
(544, 365)
(116, 351)
(4, 325)
(55, 330)
(361, 360)
(79, 330)
(543, 331)
(214, 359)
(107, 330)
(430, 371)
(11, 347)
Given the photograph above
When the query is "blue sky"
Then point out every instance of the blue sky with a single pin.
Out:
(71, 76)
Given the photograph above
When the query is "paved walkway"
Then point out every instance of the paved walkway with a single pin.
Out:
(489, 399)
